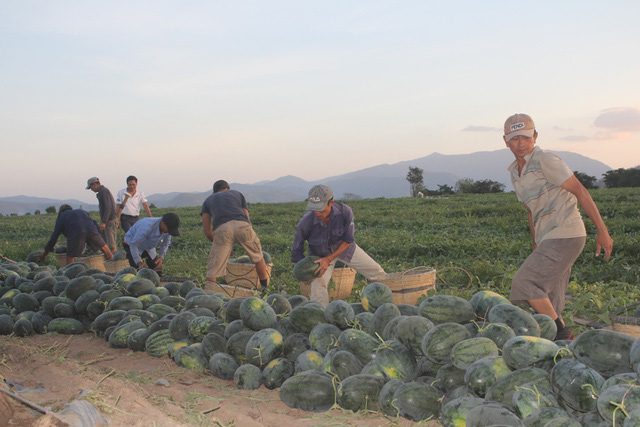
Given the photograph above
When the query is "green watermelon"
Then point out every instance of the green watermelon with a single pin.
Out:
(247, 377)
(466, 352)
(149, 274)
(309, 391)
(396, 362)
(502, 390)
(25, 302)
(608, 352)
(448, 378)
(446, 309)
(140, 287)
(192, 357)
(548, 327)
(237, 344)
(199, 327)
(341, 363)
(530, 398)
(124, 303)
(339, 313)
(411, 330)
(576, 385)
(417, 402)
(360, 392)
(157, 345)
(482, 374)
(454, 412)
(223, 366)
(324, 337)
(374, 295)
(23, 327)
(383, 315)
(516, 318)
(179, 326)
(386, 399)
(360, 343)
(276, 372)
(256, 314)
(263, 347)
(137, 339)
(492, 414)
(305, 317)
(305, 269)
(120, 336)
(66, 326)
(524, 351)
(483, 301)
(309, 360)
(438, 341)
(279, 304)
(295, 345)
(499, 333)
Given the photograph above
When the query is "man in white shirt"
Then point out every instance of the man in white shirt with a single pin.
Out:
(129, 201)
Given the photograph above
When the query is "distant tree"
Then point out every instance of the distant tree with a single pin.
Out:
(416, 181)
(487, 186)
(37, 212)
(469, 186)
(351, 196)
(464, 186)
(14, 214)
(50, 210)
(445, 189)
(28, 213)
(153, 206)
(622, 178)
(587, 180)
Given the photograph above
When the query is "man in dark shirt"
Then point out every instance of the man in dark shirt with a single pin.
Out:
(329, 230)
(79, 229)
(107, 206)
(225, 221)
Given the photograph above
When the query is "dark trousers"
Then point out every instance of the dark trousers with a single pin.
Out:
(144, 255)
(127, 221)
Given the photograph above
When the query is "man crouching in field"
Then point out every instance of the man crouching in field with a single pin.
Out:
(551, 192)
(79, 229)
(150, 238)
(225, 221)
(329, 229)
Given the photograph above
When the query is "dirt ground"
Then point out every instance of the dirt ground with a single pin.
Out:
(53, 370)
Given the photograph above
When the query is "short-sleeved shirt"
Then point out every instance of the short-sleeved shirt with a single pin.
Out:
(225, 206)
(323, 238)
(554, 210)
(145, 235)
(134, 203)
(71, 224)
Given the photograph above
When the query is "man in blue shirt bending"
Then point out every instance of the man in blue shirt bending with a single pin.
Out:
(150, 238)
(328, 228)
(80, 230)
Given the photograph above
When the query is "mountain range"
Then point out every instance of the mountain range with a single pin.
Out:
(385, 180)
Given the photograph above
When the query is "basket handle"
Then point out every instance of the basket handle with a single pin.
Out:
(439, 273)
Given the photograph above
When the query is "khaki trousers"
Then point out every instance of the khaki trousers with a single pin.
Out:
(361, 262)
(224, 237)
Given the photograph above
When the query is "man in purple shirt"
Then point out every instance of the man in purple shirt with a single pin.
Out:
(328, 228)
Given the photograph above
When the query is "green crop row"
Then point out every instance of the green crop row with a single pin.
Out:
(473, 241)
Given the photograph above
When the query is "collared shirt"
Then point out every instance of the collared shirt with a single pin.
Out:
(225, 206)
(554, 210)
(145, 235)
(71, 224)
(323, 238)
(106, 205)
(134, 203)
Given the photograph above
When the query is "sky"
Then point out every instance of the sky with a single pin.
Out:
(182, 93)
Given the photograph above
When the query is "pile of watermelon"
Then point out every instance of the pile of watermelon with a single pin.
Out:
(467, 363)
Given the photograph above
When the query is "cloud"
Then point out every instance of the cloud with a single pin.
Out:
(575, 138)
(619, 120)
(558, 128)
(473, 128)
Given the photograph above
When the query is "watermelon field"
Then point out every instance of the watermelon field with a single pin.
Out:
(231, 361)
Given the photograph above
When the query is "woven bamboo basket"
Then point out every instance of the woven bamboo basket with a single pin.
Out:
(93, 261)
(409, 285)
(115, 266)
(229, 291)
(623, 320)
(244, 275)
(340, 286)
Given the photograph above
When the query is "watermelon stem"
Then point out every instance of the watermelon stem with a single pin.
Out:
(562, 350)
